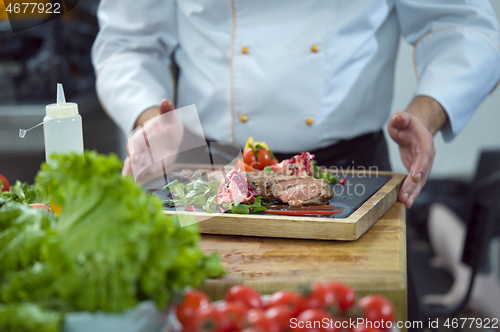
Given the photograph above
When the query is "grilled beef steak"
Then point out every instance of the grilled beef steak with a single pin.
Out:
(294, 190)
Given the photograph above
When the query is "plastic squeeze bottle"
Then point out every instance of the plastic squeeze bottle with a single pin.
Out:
(62, 127)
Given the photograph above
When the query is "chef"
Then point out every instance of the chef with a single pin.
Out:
(313, 75)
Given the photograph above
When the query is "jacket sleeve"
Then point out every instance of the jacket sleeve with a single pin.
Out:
(456, 53)
(131, 56)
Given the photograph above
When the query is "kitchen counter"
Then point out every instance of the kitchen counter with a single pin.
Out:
(375, 263)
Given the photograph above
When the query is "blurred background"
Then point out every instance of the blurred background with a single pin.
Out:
(34, 60)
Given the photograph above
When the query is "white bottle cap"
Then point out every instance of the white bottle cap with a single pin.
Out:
(61, 109)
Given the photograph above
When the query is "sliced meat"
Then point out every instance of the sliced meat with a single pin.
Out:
(314, 191)
(325, 194)
(295, 190)
(270, 185)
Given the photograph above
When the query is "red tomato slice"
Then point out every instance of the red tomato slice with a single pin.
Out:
(40, 206)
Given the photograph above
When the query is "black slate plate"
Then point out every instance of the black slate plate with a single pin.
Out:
(355, 192)
(349, 196)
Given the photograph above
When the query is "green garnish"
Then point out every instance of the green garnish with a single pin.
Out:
(196, 193)
(320, 173)
(21, 192)
(268, 169)
(244, 208)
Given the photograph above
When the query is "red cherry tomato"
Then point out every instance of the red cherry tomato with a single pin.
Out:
(263, 158)
(254, 329)
(232, 315)
(346, 296)
(258, 318)
(317, 296)
(284, 297)
(249, 157)
(274, 161)
(281, 314)
(365, 328)
(313, 320)
(207, 319)
(245, 295)
(377, 308)
(193, 299)
(6, 184)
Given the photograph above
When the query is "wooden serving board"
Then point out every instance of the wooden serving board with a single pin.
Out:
(267, 225)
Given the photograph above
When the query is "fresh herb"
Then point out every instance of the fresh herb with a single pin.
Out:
(21, 192)
(321, 173)
(245, 208)
(268, 169)
(197, 193)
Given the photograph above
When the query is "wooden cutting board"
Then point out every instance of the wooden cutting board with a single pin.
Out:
(350, 228)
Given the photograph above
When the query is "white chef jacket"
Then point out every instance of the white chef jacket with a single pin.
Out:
(300, 75)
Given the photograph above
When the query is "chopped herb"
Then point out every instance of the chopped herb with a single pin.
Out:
(244, 208)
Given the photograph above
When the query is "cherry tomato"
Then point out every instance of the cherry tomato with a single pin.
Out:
(313, 320)
(281, 314)
(193, 299)
(263, 159)
(274, 161)
(245, 295)
(377, 308)
(249, 157)
(365, 328)
(232, 315)
(242, 167)
(207, 319)
(254, 329)
(346, 296)
(258, 318)
(317, 296)
(284, 297)
(6, 184)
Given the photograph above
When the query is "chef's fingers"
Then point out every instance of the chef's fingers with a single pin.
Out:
(421, 167)
(397, 127)
(400, 120)
(127, 167)
(166, 106)
(410, 191)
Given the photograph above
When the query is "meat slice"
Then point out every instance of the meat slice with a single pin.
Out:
(294, 190)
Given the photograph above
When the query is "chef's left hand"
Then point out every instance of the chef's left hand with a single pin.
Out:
(413, 131)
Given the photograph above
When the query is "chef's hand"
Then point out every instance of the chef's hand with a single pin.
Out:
(413, 131)
(165, 129)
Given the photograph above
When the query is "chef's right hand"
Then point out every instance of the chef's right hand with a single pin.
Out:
(160, 136)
